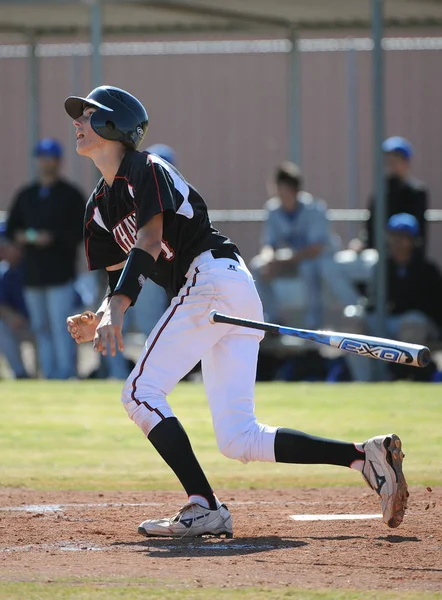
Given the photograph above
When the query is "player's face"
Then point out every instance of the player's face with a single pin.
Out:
(48, 166)
(87, 140)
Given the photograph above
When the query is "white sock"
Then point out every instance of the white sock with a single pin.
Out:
(203, 501)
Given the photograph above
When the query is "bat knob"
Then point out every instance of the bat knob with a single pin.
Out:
(424, 357)
(212, 316)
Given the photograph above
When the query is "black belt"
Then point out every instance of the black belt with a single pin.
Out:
(224, 253)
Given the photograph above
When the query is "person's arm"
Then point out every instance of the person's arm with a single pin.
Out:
(269, 236)
(12, 317)
(367, 237)
(372, 289)
(15, 225)
(309, 252)
(317, 233)
(432, 296)
(421, 207)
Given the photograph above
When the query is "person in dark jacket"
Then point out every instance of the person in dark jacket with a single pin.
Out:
(414, 294)
(46, 219)
(404, 193)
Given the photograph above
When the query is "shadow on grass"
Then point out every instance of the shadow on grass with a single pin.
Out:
(191, 547)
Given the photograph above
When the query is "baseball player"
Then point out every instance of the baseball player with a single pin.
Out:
(144, 220)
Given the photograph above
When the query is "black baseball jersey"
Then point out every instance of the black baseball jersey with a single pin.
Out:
(145, 186)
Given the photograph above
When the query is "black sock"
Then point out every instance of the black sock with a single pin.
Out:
(293, 446)
(172, 443)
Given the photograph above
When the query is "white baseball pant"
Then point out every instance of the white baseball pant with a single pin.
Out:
(184, 335)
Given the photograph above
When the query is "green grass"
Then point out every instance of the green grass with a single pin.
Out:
(140, 591)
(76, 435)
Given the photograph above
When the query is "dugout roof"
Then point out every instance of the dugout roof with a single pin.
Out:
(72, 17)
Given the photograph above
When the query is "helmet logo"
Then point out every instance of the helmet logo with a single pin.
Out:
(140, 131)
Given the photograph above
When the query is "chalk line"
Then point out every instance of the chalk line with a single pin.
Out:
(334, 517)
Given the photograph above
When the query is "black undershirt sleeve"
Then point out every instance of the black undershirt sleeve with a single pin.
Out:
(112, 280)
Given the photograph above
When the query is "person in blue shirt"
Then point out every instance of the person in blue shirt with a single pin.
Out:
(297, 242)
(14, 323)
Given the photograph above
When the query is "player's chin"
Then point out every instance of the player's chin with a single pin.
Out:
(81, 150)
(82, 147)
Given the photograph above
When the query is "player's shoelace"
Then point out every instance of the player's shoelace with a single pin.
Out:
(176, 518)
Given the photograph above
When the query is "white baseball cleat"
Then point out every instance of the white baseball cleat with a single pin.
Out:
(191, 520)
(383, 472)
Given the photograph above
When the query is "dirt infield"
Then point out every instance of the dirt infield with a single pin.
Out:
(49, 535)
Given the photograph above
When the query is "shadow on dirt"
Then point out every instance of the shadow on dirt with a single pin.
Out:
(397, 539)
(331, 538)
(164, 548)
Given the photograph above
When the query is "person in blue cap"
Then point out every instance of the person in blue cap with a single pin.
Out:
(414, 295)
(404, 193)
(46, 219)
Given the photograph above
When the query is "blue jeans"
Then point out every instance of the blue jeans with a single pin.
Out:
(48, 309)
(10, 348)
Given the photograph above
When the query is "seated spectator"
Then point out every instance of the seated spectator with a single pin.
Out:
(46, 219)
(297, 243)
(414, 295)
(14, 325)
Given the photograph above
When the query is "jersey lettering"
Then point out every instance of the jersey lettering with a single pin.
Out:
(125, 232)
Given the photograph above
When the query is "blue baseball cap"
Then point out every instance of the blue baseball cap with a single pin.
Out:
(398, 144)
(163, 151)
(49, 148)
(404, 223)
